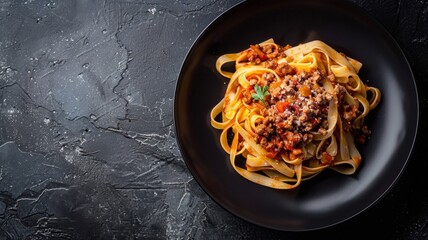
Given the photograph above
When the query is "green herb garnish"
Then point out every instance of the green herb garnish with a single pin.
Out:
(260, 93)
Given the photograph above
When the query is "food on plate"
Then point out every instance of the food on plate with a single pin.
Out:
(292, 112)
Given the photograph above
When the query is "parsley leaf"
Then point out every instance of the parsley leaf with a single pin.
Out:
(260, 93)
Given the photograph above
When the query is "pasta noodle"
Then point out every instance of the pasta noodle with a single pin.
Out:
(292, 112)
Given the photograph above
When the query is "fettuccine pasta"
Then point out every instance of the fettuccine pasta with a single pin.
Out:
(292, 112)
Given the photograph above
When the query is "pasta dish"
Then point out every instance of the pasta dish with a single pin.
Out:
(292, 112)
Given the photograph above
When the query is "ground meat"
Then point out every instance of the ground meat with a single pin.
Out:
(363, 134)
(268, 77)
(271, 64)
(295, 110)
(283, 69)
(349, 112)
(340, 91)
(296, 106)
(268, 49)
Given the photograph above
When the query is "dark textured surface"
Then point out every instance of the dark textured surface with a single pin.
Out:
(87, 143)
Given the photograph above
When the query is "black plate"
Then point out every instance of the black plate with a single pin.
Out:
(330, 198)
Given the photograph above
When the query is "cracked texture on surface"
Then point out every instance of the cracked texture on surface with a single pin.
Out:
(87, 144)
